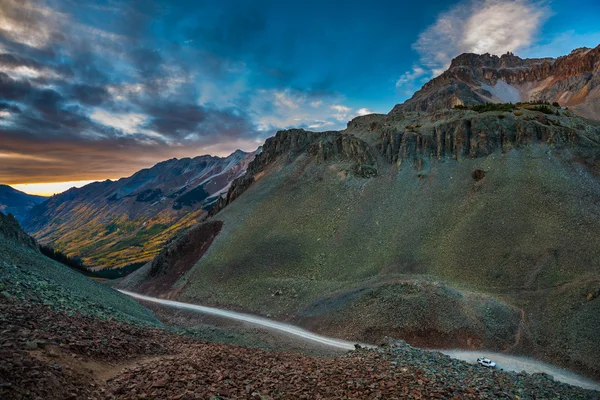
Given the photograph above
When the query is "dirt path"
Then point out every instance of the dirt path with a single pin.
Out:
(518, 364)
(504, 361)
(519, 333)
(278, 326)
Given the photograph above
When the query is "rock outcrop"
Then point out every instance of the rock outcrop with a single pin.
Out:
(324, 146)
(458, 134)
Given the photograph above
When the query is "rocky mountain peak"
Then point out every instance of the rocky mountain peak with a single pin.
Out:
(572, 80)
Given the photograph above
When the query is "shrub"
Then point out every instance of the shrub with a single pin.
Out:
(501, 116)
(72, 262)
(77, 264)
(543, 108)
(535, 102)
(478, 174)
(555, 104)
(481, 108)
(460, 107)
(518, 113)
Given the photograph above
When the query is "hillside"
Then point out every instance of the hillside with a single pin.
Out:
(117, 223)
(52, 354)
(30, 276)
(572, 80)
(447, 229)
(17, 203)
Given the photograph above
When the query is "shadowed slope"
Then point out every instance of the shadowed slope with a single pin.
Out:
(503, 210)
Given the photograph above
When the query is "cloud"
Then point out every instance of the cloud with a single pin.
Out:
(290, 108)
(410, 76)
(475, 26)
(127, 123)
(363, 111)
(81, 102)
(28, 22)
(341, 112)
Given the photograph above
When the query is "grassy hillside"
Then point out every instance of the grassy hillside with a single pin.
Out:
(515, 230)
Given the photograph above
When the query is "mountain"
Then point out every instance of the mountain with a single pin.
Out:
(17, 203)
(573, 81)
(117, 223)
(474, 228)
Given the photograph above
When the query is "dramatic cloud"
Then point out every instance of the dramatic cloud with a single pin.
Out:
(474, 26)
(96, 90)
(80, 102)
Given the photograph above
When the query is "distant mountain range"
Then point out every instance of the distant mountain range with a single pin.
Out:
(572, 81)
(117, 223)
(17, 203)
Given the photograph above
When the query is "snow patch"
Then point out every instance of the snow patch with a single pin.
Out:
(503, 92)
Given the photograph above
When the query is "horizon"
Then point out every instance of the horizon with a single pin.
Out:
(196, 78)
(49, 189)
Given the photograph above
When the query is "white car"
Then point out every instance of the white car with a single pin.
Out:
(486, 362)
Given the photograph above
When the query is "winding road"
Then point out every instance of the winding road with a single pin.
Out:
(289, 329)
(504, 361)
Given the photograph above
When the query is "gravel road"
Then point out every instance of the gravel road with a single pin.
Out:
(503, 361)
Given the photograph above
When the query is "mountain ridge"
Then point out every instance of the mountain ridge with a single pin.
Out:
(17, 203)
(117, 223)
(572, 80)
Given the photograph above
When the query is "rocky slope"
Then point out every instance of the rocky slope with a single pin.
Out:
(17, 203)
(28, 275)
(453, 228)
(50, 354)
(572, 81)
(113, 224)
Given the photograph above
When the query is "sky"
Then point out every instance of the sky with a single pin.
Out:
(94, 90)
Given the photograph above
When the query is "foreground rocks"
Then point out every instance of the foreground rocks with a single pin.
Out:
(49, 354)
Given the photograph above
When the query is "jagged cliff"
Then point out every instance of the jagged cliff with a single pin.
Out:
(572, 80)
(324, 146)
(420, 139)
(459, 134)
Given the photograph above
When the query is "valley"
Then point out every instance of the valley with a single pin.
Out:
(466, 219)
(126, 222)
(383, 231)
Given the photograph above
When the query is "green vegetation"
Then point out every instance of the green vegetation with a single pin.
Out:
(481, 108)
(544, 109)
(149, 196)
(541, 106)
(77, 264)
(72, 262)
